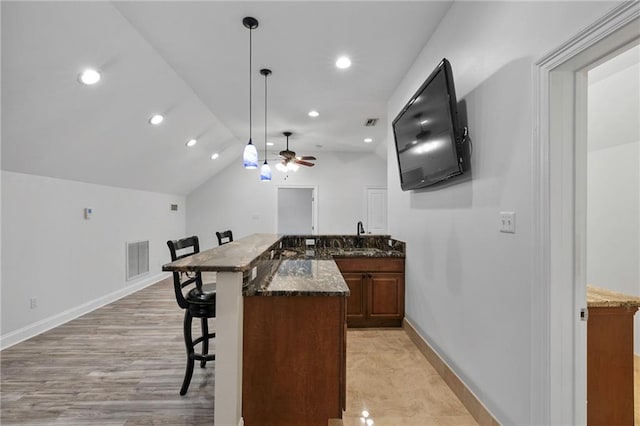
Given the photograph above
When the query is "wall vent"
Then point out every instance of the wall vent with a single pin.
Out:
(370, 122)
(137, 259)
(174, 207)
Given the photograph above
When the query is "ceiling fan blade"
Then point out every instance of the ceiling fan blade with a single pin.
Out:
(307, 157)
(303, 163)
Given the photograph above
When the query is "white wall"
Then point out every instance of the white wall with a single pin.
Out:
(468, 286)
(68, 263)
(613, 187)
(236, 199)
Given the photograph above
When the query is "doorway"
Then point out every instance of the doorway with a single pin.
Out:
(297, 212)
(376, 210)
(613, 175)
(559, 255)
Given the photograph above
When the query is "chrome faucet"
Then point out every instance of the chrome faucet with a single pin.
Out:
(360, 229)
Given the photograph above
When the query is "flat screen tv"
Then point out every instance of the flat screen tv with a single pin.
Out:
(427, 134)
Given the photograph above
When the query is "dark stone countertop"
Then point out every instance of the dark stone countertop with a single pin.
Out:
(303, 277)
(290, 265)
(330, 253)
(346, 245)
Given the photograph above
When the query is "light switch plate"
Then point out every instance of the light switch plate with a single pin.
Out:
(508, 222)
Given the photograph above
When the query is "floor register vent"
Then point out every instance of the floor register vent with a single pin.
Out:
(137, 259)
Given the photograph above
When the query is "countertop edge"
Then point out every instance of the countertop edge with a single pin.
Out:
(598, 297)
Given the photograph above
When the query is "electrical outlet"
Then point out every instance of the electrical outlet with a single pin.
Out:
(508, 222)
(33, 303)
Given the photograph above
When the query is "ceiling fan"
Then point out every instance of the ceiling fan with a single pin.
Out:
(289, 160)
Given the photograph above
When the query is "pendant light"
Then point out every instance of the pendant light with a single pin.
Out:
(265, 170)
(250, 155)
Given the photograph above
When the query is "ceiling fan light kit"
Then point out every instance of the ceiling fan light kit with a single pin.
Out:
(250, 155)
(289, 160)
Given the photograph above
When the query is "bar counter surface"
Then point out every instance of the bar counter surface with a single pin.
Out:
(236, 256)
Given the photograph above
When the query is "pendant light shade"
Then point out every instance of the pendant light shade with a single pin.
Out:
(250, 155)
(265, 170)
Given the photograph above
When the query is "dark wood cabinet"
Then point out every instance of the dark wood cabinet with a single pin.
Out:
(356, 302)
(610, 358)
(376, 288)
(294, 360)
(610, 366)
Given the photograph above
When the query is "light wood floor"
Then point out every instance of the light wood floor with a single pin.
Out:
(122, 364)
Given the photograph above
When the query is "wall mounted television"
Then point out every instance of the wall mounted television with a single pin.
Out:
(428, 136)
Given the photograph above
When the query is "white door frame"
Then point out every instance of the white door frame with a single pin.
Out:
(314, 204)
(558, 337)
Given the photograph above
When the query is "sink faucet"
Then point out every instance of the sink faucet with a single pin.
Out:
(360, 229)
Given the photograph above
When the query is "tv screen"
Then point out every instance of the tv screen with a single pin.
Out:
(427, 134)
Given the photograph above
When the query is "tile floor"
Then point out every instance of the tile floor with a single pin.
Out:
(389, 377)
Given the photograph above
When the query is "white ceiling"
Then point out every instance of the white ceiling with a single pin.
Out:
(189, 61)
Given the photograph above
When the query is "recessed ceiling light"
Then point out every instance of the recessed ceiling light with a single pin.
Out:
(192, 142)
(215, 155)
(89, 76)
(343, 62)
(269, 143)
(368, 140)
(156, 119)
(313, 113)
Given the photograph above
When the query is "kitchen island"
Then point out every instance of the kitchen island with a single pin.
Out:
(281, 324)
(294, 354)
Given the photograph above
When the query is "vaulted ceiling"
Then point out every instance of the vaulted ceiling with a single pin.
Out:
(189, 62)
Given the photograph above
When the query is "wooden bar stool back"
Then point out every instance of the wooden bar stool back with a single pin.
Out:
(197, 302)
(224, 237)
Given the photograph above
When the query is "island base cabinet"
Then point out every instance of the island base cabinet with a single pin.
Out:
(294, 360)
(376, 291)
(610, 366)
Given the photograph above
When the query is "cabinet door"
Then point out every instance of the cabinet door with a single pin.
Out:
(386, 295)
(356, 300)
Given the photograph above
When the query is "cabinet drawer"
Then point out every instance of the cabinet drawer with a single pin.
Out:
(366, 264)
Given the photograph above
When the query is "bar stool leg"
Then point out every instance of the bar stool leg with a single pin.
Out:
(205, 341)
(188, 341)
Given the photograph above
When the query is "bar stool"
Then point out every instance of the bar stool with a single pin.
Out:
(224, 237)
(197, 302)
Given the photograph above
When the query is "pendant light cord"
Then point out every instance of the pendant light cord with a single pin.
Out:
(250, 55)
(265, 118)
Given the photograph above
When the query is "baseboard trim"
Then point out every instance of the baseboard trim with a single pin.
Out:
(39, 327)
(479, 412)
